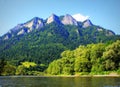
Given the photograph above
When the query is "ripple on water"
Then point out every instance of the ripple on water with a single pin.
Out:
(16, 85)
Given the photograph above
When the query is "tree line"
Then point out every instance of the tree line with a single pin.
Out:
(90, 59)
(100, 58)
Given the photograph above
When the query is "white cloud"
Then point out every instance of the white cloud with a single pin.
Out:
(80, 17)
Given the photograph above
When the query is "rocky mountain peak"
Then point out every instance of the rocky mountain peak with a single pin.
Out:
(16, 28)
(69, 20)
(87, 23)
(27, 27)
(35, 23)
(53, 18)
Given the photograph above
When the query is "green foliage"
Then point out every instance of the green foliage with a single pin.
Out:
(92, 58)
(28, 64)
(6, 68)
(2, 65)
(54, 68)
(9, 70)
(30, 68)
(82, 56)
(21, 70)
(112, 56)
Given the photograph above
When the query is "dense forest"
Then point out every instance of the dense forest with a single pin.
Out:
(90, 59)
(100, 58)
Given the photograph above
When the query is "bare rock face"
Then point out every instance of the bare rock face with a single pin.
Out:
(110, 33)
(87, 23)
(53, 18)
(27, 27)
(7, 36)
(99, 29)
(16, 28)
(21, 32)
(35, 23)
(69, 20)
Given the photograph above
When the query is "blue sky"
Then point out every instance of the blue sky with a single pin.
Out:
(105, 13)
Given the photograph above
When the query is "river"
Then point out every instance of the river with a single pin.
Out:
(30, 81)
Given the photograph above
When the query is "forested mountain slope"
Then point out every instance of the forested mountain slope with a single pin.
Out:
(42, 41)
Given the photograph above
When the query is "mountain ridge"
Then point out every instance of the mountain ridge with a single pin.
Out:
(37, 23)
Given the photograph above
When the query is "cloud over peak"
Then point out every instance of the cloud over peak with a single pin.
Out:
(80, 17)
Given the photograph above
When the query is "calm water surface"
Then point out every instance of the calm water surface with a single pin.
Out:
(59, 81)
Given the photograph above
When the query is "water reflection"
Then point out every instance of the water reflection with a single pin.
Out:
(59, 82)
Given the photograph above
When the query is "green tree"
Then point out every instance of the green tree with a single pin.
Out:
(67, 65)
(9, 70)
(82, 57)
(54, 67)
(21, 70)
(96, 54)
(2, 65)
(96, 51)
(112, 56)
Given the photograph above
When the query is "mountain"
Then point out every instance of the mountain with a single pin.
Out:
(87, 23)
(69, 20)
(42, 41)
(53, 18)
(37, 23)
(24, 28)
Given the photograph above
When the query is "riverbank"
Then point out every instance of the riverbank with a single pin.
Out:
(110, 74)
(85, 76)
(64, 76)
